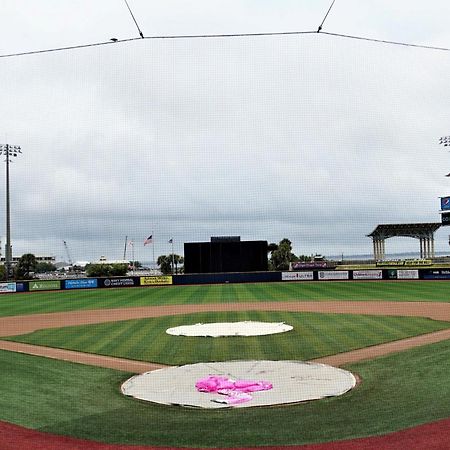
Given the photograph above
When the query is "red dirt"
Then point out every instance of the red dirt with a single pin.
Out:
(432, 436)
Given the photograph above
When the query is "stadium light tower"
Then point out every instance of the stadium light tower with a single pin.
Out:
(8, 151)
(445, 141)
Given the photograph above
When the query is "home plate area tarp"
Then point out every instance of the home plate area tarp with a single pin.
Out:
(245, 384)
(217, 329)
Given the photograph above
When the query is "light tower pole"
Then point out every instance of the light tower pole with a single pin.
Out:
(8, 151)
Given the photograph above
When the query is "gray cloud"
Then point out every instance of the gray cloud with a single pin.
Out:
(314, 138)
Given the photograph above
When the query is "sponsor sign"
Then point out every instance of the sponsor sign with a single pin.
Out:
(333, 275)
(392, 274)
(7, 287)
(297, 276)
(152, 281)
(46, 285)
(367, 274)
(442, 274)
(412, 274)
(82, 283)
(445, 218)
(21, 287)
(300, 265)
(445, 203)
(118, 282)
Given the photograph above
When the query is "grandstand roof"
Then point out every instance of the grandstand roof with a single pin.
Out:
(404, 229)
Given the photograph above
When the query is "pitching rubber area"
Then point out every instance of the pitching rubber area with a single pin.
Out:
(292, 382)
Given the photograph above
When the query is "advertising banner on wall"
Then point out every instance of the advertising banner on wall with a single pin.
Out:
(412, 274)
(438, 274)
(333, 275)
(119, 282)
(81, 283)
(367, 274)
(301, 265)
(7, 287)
(21, 286)
(44, 285)
(297, 276)
(153, 281)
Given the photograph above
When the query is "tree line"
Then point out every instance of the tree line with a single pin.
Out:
(280, 258)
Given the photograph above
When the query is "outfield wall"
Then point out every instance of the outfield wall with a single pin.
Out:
(221, 278)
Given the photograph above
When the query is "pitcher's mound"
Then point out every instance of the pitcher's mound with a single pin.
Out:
(247, 328)
(292, 382)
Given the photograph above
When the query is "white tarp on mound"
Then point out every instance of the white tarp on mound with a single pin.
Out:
(247, 328)
(293, 381)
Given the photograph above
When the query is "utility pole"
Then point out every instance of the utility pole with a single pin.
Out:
(445, 141)
(8, 151)
(173, 257)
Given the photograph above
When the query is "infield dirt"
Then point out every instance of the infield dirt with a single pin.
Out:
(17, 325)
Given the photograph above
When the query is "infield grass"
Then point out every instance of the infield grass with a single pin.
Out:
(313, 336)
(45, 302)
(398, 391)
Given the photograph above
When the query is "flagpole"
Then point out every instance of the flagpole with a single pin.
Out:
(131, 243)
(153, 248)
(173, 258)
(125, 248)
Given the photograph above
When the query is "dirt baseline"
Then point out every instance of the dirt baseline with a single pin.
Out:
(426, 437)
(16, 325)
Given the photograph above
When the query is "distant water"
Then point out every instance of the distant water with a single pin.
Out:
(407, 255)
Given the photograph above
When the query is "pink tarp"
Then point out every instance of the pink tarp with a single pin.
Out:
(233, 391)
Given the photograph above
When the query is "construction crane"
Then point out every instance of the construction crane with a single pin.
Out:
(68, 253)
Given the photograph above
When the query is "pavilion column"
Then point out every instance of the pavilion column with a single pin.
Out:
(421, 248)
(432, 247)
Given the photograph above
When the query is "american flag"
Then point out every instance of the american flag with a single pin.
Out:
(149, 240)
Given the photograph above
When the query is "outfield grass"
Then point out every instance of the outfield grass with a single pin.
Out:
(313, 336)
(398, 391)
(45, 302)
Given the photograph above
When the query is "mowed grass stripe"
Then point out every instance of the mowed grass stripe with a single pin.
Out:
(314, 335)
(43, 302)
(398, 391)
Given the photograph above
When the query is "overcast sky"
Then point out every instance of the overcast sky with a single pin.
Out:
(311, 137)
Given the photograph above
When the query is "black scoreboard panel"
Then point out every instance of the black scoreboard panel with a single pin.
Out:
(232, 256)
(445, 218)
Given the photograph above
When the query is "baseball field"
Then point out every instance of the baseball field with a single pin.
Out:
(394, 336)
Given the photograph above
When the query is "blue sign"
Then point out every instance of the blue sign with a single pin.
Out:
(439, 274)
(21, 287)
(81, 283)
(445, 203)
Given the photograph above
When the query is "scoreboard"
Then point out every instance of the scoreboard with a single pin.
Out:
(225, 255)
